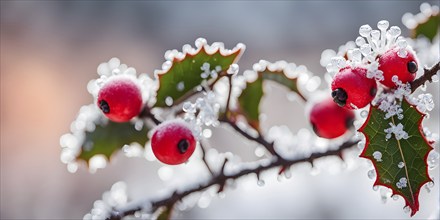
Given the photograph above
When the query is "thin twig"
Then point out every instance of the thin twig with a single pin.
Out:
(229, 96)
(202, 147)
(221, 178)
(259, 139)
(427, 76)
(146, 113)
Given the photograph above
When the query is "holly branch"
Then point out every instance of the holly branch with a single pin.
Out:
(220, 178)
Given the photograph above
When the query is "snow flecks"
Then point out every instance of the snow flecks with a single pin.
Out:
(73, 142)
(201, 44)
(366, 49)
(377, 156)
(207, 108)
(117, 196)
(397, 130)
(114, 69)
(402, 183)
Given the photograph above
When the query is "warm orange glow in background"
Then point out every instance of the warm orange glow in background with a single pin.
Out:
(50, 50)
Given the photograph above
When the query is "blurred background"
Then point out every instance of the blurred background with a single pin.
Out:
(50, 50)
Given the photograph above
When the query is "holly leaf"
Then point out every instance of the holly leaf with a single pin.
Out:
(109, 138)
(429, 28)
(249, 102)
(400, 164)
(281, 72)
(183, 71)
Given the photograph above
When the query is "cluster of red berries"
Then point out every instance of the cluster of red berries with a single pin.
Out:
(120, 99)
(352, 89)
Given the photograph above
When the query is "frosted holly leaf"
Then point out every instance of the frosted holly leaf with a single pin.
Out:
(186, 70)
(398, 152)
(281, 72)
(108, 138)
(425, 23)
(249, 102)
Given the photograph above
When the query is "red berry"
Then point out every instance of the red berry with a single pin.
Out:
(120, 99)
(329, 120)
(173, 142)
(391, 64)
(352, 89)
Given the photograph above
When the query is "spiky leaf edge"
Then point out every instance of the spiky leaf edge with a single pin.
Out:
(238, 51)
(414, 209)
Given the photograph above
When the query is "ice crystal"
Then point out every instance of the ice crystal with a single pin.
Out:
(370, 45)
(113, 70)
(207, 108)
(397, 130)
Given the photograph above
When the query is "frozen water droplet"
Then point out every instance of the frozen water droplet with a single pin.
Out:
(435, 78)
(395, 197)
(364, 113)
(402, 53)
(360, 41)
(259, 151)
(375, 34)
(361, 144)
(375, 188)
(169, 101)
(377, 156)
(365, 30)
(365, 49)
(207, 133)
(383, 25)
(433, 159)
(394, 31)
(371, 174)
(430, 184)
(401, 42)
(395, 78)
(188, 107)
(401, 164)
(406, 209)
(260, 183)
(180, 86)
(428, 190)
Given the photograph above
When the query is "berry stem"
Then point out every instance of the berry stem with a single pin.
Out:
(146, 113)
(427, 76)
(220, 179)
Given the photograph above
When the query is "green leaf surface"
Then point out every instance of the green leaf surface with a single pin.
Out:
(250, 98)
(185, 74)
(109, 138)
(249, 102)
(428, 29)
(412, 152)
(281, 78)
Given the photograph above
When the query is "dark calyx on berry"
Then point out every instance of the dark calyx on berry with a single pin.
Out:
(412, 66)
(315, 129)
(373, 91)
(183, 146)
(339, 97)
(103, 105)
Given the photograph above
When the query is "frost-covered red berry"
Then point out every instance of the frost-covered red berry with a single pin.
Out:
(173, 142)
(120, 99)
(329, 120)
(399, 62)
(352, 89)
